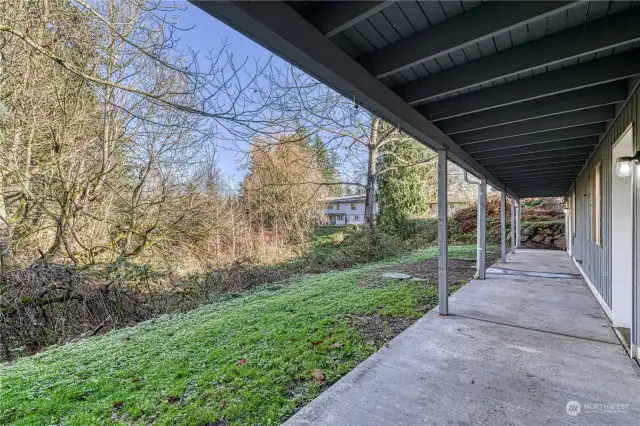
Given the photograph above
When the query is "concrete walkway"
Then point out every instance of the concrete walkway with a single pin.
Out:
(515, 351)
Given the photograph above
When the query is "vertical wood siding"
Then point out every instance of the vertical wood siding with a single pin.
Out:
(596, 260)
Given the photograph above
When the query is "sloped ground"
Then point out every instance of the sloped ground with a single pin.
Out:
(251, 359)
(543, 212)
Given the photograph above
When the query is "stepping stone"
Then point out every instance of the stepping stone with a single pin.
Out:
(396, 276)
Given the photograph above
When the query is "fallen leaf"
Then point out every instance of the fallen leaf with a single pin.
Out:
(117, 404)
(318, 375)
(173, 399)
(243, 361)
(316, 343)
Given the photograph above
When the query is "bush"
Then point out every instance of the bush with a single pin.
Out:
(420, 233)
(357, 246)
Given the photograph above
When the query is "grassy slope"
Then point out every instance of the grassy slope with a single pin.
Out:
(137, 374)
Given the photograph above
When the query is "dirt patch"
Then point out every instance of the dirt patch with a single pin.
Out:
(379, 328)
(458, 270)
(426, 272)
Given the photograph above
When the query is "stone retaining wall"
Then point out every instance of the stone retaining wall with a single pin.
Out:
(543, 235)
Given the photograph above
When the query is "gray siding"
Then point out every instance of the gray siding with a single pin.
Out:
(596, 260)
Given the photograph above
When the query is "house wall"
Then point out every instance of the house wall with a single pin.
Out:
(352, 216)
(594, 260)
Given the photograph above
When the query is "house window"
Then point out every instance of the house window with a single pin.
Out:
(595, 204)
(353, 206)
(337, 206)
(356, 217)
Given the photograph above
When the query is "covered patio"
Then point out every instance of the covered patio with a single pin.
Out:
(515, 349)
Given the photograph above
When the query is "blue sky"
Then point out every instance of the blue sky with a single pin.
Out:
(210, 34)
(207, 33)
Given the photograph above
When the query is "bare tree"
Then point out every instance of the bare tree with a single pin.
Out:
(108, 122)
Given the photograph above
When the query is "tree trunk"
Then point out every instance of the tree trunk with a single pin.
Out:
(370, 197)
(6, 254)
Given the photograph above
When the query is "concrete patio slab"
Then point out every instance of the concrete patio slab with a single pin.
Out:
(515, 351)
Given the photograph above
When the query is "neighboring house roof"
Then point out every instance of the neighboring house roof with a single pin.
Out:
(360, 198)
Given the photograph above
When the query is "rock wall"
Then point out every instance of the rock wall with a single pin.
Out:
(543, 235)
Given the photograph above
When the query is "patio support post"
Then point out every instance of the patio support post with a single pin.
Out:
(513, 225)
(518, 223)
(503, 227)
(443, 288)
(482, 229)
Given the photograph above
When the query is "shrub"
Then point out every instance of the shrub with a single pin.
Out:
(357, 246)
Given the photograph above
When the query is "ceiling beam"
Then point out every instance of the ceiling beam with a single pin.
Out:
(537, 177)
(581, 152)
(536, 125)
(553, 186)
(534, 174)
(534, 181)
(539, 147)
(550, 193)
(542, 187)
(605, 33)
(593, 73)
(475, 25)
(536, 166)
(539, 185)
(550, 186)
(547, 191)
(541, 137)
(530, 162)
(282, 30)
(605, 94)
(537, 182)
(561, 187)
(539, 168)
(539, 156)
(333, 17)
(556, 191)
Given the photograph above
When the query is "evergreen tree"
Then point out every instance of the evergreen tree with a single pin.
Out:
(404, 175)
(328, 163)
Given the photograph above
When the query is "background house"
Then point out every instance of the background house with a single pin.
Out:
(346, 210)
(349, 209)
(454, 202)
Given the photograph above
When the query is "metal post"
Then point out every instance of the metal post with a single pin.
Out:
(513, 225)
(503, 227)
(518, 223)
(482, 229)
(443, 287)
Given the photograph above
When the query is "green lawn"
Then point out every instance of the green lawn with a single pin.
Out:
(244, 360)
